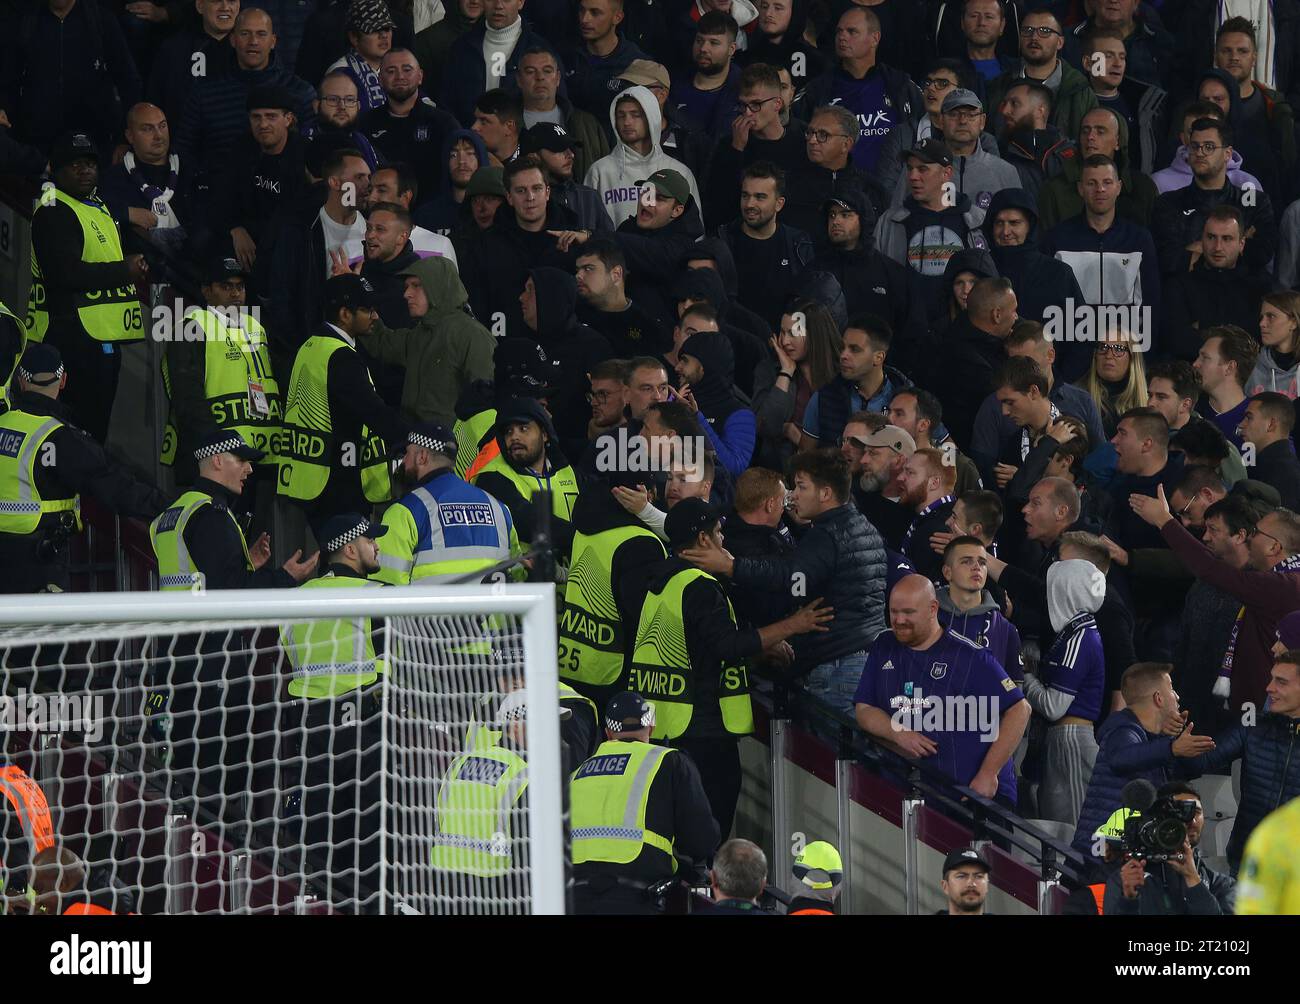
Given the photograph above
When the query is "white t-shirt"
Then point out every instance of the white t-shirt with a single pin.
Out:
(337, 235)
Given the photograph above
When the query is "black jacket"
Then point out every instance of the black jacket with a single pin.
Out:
(758, 607)
(172, 76)
(1277, 465)
(254, 185)
(1037, 154)
(652, 260)
(497, 266)
(749, 349)
(418, 139)
(721, 191)
(1198, 300)
(841, 558)
(807, 188)
(217, 549)
(1180, 215)
(917, 550)
(767, 292)
(973, 357)
(289, 277)
(874, 284)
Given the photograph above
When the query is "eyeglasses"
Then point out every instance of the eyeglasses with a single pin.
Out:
(939, 83)
(822, 136)
(1042, 31)
(1255, 530)
(335, 100)
(599, 396)
(1112, 349)
(1203, 147)
(964, 114)
(754, 107)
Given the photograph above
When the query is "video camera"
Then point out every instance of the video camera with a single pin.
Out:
(1157, 827)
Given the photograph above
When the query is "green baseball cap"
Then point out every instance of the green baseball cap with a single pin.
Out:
(486, 181)
(670, 183)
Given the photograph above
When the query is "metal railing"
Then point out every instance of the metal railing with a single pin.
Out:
(919, 786)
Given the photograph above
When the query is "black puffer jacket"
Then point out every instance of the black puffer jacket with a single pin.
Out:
(1270, 772)
(841, 559)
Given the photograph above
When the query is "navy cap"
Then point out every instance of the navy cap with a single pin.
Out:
(689, 518)
(226, 441)
(349, 291)
(40, 359)
(433, 436)
(548, 136)
(629, 711)
(930, 150)
(339, 531)
(964, 857)
(223, 266)
(73, 147)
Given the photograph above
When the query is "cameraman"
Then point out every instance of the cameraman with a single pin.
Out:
(1182, 885)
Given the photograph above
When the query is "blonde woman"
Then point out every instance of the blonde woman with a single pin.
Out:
(1116, 381)
(1279, 358)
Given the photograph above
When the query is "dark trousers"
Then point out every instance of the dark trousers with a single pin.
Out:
(93, 368)
(200, 709)
(718, 761)
(332, 788)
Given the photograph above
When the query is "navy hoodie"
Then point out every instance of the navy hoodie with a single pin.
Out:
(440, 213)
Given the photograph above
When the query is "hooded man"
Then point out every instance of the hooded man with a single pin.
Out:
(1267, 147)
(715, 254)
(444, 351)
(872, 283)
(706, 367)
(637, 156)
(1179, 172)
(705, 285)
(1068, 688)
(530, 461)
(778, 40)
(968, 609)
(1011, 226)
(463, 153)
(548, 304)
(521, 368)
(1105, 133)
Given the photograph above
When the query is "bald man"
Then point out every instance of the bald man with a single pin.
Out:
(143, 190)
(938, 698)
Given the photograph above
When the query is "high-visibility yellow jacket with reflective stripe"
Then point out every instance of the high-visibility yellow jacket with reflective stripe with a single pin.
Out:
(176, 569)
(332, 657)
(608, 800)
(236, 362)
(308, 447)
(478, 795)
(441, 529)
(661, 667)
(106, 315)
(592, 642)
(23, 439)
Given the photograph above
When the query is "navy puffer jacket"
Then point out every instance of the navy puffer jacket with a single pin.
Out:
(1270, 772)
(1125, 752)
(842, 559)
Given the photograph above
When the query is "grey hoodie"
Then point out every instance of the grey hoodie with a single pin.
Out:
(616, 177)
(1073, 586)
(1268, 375)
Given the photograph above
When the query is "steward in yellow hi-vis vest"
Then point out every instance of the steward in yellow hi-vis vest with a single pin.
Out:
(689, 655)
(521, 368)
(337, 429)
(85, 295)
(530, 462)
(46, 464)
(613, 553)
(217, 373)
(636, 809)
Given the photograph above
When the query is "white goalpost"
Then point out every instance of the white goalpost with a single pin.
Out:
(184, 774)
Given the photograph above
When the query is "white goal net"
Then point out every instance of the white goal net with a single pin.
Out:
(341, 750)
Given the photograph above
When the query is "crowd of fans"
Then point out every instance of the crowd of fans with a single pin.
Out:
(982, 314)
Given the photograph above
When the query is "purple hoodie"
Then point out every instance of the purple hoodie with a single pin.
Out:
(1179, 174)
